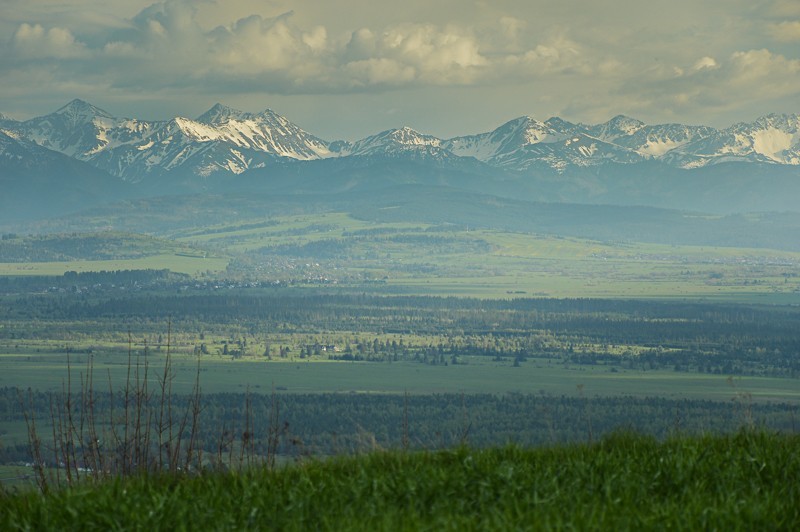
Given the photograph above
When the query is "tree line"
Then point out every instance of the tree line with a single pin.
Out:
(325, 424)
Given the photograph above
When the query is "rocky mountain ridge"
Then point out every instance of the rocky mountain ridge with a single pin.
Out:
(227, 141)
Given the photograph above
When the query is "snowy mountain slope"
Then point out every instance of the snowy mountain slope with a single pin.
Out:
(655, 141)
(228, 142)
(82, 130)
(649, 141)
(504, 140)
(7, 123)
(525, 143)
(181, 146)
(577, 150)
(13, 148)
(619, 127)
(221, 140)
(266, 131)
(395, 143)
(770, 139)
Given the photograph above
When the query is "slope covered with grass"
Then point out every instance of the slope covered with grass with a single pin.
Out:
(746, 481)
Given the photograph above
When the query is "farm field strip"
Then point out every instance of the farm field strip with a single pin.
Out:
(477, 375)
(177, 263)
(419, 258)
(559, 285)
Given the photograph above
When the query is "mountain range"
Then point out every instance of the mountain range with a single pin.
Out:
(748, 166)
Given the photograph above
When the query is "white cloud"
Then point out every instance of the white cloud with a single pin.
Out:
(382, 71)
(164, 45)
(437, 55)
(512, 27)
(254, 45)
(787, 31)
(117, 49)
(711, 86)
(590, 59)
(316, 39)
(705, 63)
(34, 41)
(559, 55)
(360, 46)
(765, 72)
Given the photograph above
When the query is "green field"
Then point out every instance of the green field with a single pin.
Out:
(473, 375)
(417, 258)
(17, 477)
(427, 259)
(191, 265)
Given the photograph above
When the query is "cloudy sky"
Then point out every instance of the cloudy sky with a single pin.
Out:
(350, 68)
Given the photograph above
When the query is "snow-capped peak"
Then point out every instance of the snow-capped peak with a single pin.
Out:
(526, 130)
(626, 123)
(392, 141)
(78, 111)
(407, 135)
(508, 137)
(783, 122)
(771, 139)
(194, 130)
(778, 138)
(229, 140)
(618, 127)
(559, 124)
(269, 113)
(222, 113)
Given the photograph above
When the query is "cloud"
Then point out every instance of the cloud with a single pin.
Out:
(709, 85)
(589, 59)
(169, 17)
(164, 45)
(255, 44)
(316, 39)
(437, 55)
(558, 56)
(360, 46)
(784, 8)
(512, 27)
(788, 31)
(379, 72)
(767, 73)
(705, 63)
(34, 41)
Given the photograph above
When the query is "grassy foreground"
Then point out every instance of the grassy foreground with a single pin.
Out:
(742, 482)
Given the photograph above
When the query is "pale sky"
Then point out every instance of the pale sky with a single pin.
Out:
(350, 68)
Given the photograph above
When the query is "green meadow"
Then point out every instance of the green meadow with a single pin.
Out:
(191, 265)
(422, 258)
(473, 375)
(746, 481)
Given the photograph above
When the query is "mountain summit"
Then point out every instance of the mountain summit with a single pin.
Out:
(222, 140)
(219, 114)
(226, 141)
(752, 166)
